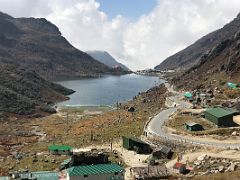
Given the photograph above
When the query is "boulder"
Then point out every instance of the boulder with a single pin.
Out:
(202, 157)
(232, 167)
(197, 163)
(221, 168)
(234, 133)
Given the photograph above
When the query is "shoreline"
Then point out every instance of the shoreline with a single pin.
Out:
(65, 104)
(75, 129)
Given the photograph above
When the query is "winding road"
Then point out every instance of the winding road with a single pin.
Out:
(156, 127)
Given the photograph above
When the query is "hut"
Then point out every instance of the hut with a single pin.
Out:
(132, 143)
(192, 126)
(131, 109)
(60, 149)
(162, 152)
(232, 85)
(188, 95)
(182, 168)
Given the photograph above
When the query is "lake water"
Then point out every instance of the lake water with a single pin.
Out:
(107, 90)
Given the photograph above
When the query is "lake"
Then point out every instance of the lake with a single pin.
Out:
(107, 90)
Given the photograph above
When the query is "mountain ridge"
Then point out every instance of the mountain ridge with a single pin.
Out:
(192, 54)
(37, 44)
(105, 58)
(24, 92)
(218, 66)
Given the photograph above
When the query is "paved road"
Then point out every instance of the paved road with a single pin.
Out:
(155, 127)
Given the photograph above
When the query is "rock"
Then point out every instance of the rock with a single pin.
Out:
(197, 163)
(234, 133)
(232, 167)
(202, 157)
(205, 173)
(213, 162)
(221, 168)
(212, 171)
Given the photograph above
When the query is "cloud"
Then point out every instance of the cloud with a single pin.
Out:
(170, 27)
(173, 25)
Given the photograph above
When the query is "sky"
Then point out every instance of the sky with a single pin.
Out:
(138, 33)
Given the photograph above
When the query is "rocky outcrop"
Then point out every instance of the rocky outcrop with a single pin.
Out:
(223, 60)
(24, 92)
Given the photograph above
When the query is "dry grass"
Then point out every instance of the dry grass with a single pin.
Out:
(178, 122)
(73, 127)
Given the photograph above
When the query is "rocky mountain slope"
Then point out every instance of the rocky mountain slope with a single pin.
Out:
(105, 58)
(216, 67)
(24, 92)
(191, 55)
(38, 45)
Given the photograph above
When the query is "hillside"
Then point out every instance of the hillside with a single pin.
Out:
(105, 58)
(37, 44)
(23, 92)
(191, 55)
(220, 65)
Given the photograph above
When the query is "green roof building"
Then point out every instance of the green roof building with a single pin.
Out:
(40, 175)
(220, 116)
(188, 95)
(60, 150)
(232, 85)
(4, 178)
(96, 172)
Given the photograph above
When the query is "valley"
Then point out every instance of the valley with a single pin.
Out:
(72, 114)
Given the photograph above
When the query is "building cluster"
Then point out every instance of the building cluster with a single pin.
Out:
(154, 169)
(87, 165)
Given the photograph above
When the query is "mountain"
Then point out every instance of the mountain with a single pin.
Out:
(216, 67)
(37, 44)
(24, 92)
(191, 55)
(105, 58)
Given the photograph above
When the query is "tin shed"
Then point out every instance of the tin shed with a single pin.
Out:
(60, 150)
(162, 152)
(192, 126)
(220, 116)
(132, 143)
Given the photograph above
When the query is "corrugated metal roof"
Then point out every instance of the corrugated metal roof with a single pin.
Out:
(4, 178)
(66, 161)
(188, 95)
(163, 149)
(191, 123)
(43, 175)
(219, 112)
(59, 147)
(94, 169)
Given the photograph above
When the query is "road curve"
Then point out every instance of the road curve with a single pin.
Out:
(155, 127)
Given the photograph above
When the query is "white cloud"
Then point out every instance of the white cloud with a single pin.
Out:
(171, 26)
